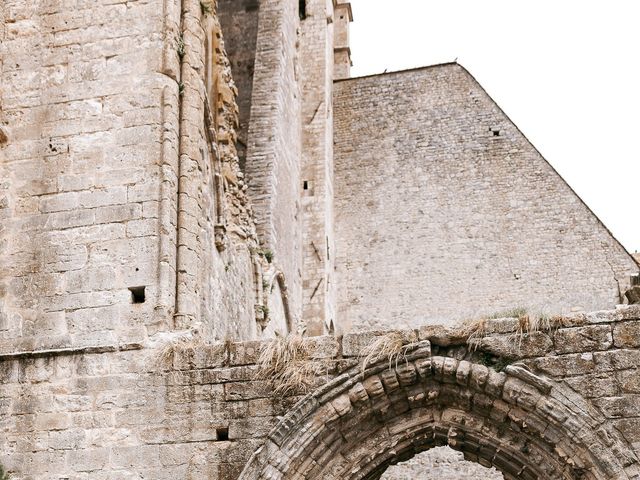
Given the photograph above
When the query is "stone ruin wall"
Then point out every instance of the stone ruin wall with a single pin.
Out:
(89, 208)
(92, 134)
(199, 412)
(445, 211)
(440, 463)
(317, 50)
(282, 59)
(239, 22)
(274, 146)
(92, 97)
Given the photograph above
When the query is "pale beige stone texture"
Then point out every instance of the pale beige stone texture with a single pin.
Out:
(445, 211)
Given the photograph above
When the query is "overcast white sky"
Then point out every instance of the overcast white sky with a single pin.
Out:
(567, 72)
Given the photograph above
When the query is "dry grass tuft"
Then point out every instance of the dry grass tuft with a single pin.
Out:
(183, 347)
(518, 312)
(541, 323)
(527, 324)
(390, 346)
(286, 363)
(474, 331)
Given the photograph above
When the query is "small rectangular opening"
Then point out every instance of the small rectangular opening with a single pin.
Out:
(305, 185)
(222, 434)
(496, 133)
(137, 294)
(251, 6)
(302, 9)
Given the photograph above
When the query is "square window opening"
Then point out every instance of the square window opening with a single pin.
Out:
(137, 294)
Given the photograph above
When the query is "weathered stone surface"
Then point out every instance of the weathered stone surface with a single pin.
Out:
(633, 294)
(594, 386)
(440, 464)
(207, 408)
(517, 345)
(148, 223)
(627, 334)
(582, 339)
(354, 343)
(414, 205)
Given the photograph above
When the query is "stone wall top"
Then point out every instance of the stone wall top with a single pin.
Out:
(610, 329)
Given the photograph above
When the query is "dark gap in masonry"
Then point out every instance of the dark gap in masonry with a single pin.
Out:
(137, 294)
(302, 9)
(222, 434)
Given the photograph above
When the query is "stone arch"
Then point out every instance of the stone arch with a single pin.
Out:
(363, 421)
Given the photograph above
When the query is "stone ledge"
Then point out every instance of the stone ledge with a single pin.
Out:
(91, 349)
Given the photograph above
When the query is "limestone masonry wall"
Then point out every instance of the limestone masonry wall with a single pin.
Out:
(444, 210)
(161, 220)
(274, 144)
(123, 210)
(440, 463)
(217, 265)
(87, 115)
(239, 22)
(199, 413)
(319, 285)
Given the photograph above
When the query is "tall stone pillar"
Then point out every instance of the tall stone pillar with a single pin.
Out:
(317, 69)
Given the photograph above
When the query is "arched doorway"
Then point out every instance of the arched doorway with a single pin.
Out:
(363, 421)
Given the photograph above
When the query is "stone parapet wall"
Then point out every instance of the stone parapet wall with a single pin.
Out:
(191, 411)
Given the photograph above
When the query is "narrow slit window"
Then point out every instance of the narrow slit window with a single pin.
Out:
(302, 9)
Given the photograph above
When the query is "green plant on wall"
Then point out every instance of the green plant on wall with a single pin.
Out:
(206, 7)
(4, 475)
(180, 46)
(267, 254)
(492, 361)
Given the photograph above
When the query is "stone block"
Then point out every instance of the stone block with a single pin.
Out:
(583, 339)
(612, 360)
(594, 386)
(325, 347)
(135, 456)
(247, 390)
(244, 353)
(630, 429)
(535, 344)
(562, 365)
(628, 381)
(88, 460)
(52, 421)
(354, 343)
(625, 406)
(627, 334)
